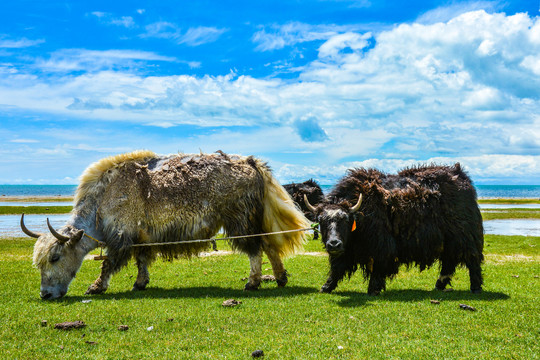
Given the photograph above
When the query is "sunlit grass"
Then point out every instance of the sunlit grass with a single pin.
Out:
(183, 305)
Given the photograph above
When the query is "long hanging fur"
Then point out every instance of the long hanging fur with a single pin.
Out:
(281, 214)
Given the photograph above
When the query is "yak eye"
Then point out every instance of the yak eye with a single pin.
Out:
(55, 258)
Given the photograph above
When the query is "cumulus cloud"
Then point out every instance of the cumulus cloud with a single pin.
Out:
(506, 169)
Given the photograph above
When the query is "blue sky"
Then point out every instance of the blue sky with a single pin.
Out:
(312, 87)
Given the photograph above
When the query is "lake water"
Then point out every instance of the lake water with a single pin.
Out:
(37, 190)
(508, 206)
(9, 225)
(484, 191)
(528, 227)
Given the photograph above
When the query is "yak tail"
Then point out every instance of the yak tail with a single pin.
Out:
(281, 214)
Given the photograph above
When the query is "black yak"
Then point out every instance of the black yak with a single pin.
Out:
(141, 198)
(376, 222)
(314, 194)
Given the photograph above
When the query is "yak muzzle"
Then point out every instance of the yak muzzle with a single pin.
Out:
(46, 295)
(334, 246)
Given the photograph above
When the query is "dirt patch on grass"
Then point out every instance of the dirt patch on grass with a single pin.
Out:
(314, 253)
(500, 259)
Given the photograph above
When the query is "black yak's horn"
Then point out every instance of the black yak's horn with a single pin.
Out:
(357, 206)
(26, 231)
(60, 237)
(308, 205)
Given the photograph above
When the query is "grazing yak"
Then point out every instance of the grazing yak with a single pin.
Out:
(376, 222)
(142, 198)
(314, 194)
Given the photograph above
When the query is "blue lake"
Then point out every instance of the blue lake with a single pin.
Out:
(9, 225)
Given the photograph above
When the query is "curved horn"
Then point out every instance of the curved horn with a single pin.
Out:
(60, 237)
(357, 206)
(26, 231)
(308, 205)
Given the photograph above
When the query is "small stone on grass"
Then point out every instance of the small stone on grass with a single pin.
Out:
(257, 353)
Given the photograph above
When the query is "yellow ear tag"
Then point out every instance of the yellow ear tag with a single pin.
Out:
(353, 225)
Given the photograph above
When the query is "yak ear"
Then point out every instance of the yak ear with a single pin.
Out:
(77, 237)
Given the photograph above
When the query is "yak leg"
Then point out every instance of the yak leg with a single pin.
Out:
(143, 276)
(377, 280)
(475, 274)
(377, 283)
(102, 282)
(337, 272)
(255, 261)
(447, 271)
(277, 265)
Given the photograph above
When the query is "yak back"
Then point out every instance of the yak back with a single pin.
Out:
(413, 217)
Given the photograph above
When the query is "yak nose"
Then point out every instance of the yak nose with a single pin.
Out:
(334, 245)
(45, 295)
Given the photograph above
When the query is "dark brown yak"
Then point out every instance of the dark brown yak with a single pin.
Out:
(141, 197)
(314, 194)
(376, 222)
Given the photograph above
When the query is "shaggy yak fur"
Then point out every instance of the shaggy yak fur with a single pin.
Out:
(376, 222)
(141, 197)
(314, 194)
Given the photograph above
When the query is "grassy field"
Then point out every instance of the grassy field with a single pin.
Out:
(17, 210)
(180, 315)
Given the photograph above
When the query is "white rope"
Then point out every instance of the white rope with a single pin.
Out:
(224, 238)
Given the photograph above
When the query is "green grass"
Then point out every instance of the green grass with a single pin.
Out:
(14, 210)
(509, 201)
(495, 214)
(183, 304)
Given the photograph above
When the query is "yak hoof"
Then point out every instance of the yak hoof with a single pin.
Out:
(251, 287)
(283, 280)
(137, 287)
(476, 291)
(326, 290)
(94, 289)
(374, 293)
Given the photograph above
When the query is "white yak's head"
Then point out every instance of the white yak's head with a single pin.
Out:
(58, 257)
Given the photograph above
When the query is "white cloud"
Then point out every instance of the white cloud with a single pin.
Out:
(278, 36)
(332, 47)
(68, 60)
(19, 43)
(509, 169)
(109, 19)
(446, 13)
(201, 35)
(24, 141)
(194, 36)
